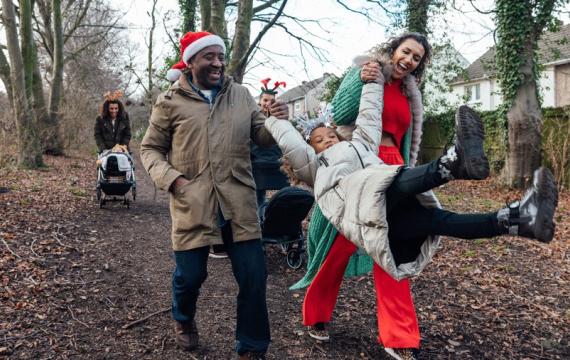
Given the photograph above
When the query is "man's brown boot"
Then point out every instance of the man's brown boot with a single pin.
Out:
(187, 335)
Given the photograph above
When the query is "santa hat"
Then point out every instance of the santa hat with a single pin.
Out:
(266, 90)
(192, 42)
(175, 71)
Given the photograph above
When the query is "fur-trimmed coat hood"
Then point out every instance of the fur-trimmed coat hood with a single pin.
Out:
(412, 92)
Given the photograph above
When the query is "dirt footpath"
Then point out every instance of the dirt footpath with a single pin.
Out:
(77, 283)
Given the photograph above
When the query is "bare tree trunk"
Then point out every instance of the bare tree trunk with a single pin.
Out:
(240, 56)
(206, 14)
(150, 49)
(241, 40)
(525, 122)
(5, 75)
(218, 21)
(26, 44)
(29, 149)
(52, 141)
(38, 104)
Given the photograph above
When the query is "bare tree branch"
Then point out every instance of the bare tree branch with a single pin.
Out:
(484, 12)
(257, 39)
(78, 21)
(262, 7)
(366, 12)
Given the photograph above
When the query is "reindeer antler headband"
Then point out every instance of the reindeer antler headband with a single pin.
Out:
(266, 90)
(113, 96)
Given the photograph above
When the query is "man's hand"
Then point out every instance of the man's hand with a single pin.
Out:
(178, 183)
(370, 71)
(280, 110)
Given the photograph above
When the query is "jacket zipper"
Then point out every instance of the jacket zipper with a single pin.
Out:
(357, 153)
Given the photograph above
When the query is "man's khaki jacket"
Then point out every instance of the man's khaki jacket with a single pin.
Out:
(208, 144)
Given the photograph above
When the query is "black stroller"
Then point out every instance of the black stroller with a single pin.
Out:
(281, 222)
(115, 177)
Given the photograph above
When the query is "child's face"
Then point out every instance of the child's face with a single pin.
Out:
(265, 102)
(323, 138)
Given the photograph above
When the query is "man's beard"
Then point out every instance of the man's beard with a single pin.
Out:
(204, 75)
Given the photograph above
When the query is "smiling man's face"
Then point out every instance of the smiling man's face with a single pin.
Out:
(207, 67)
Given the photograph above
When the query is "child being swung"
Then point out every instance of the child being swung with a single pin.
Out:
(356, 191)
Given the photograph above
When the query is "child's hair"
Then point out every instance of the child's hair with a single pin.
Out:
(287, 169)
(307, 125)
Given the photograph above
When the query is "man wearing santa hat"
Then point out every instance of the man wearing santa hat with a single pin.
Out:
(197, 147)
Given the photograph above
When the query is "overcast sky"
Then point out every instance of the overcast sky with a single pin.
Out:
(343, 36)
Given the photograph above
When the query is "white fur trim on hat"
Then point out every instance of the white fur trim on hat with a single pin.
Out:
(173, 74)
(200, 44)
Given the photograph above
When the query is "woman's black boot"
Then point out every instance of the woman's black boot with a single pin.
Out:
(532, 216)
(466, 159)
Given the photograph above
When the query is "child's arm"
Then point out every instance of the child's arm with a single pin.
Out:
(301, 156)
(369, 121)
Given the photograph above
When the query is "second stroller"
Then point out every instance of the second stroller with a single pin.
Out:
(281, 222)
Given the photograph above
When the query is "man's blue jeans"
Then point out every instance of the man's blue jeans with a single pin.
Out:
(248, 265)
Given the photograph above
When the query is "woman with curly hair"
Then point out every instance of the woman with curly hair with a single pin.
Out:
(112, 126)
(400, 64)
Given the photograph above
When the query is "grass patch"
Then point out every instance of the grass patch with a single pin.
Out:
(449, 200)
(500, 249)
(469, 254)
(480, 241)
(79, 192)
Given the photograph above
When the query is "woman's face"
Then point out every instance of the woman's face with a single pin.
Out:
(323, 138)
(113, 110)
(406, 58)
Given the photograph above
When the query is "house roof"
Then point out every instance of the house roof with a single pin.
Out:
(300, 91)
(552, 46)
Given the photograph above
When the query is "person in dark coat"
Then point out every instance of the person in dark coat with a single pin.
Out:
(266, 162)
(112, 126)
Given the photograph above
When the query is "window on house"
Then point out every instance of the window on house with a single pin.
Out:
(472, 92)
(467, 92)
(297, 106)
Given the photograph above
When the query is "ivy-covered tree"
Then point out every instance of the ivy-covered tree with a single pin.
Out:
(520, 24)
(189, 12)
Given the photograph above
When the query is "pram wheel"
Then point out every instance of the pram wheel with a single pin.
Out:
(127, 203)
(101, 203)
(98, 194)
(134, 193)
(295, 259)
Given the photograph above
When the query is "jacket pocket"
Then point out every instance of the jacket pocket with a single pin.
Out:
(243, 176)
(190, 207)
(190, 169)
